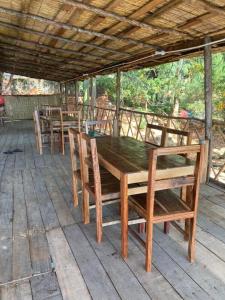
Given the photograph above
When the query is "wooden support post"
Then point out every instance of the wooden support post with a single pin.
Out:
(76, 93)
(116, 129)
(208, 101)
(1, 82)
(61, 93)
(92, 95)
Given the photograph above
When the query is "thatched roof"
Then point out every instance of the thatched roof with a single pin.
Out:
(65, 39)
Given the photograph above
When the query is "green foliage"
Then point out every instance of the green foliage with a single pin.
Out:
(168, 88)
(107, 85)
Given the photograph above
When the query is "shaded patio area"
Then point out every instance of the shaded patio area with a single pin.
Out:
(46, 252)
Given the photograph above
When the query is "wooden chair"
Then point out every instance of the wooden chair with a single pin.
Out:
(98, 127)
(68, 119)
(175, 137)
(40, 135)
(155, 135)
(161, 204)
(104, 187)
(75, 155)
(53, 111)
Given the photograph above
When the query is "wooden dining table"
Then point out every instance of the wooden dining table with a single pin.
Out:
(127, 159)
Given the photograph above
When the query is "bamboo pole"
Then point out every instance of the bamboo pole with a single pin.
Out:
(208, 101)
(118, 100)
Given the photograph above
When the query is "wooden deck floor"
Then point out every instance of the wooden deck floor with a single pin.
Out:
(47, 253)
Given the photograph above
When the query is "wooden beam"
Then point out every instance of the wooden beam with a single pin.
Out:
(66, 40)
(64, 51)
(22, 72)
(208, 100)
(218, 10)
(40, 60)
(75, 28)
(58, 60)
(120, 18)
(37, 65)
(33, 68)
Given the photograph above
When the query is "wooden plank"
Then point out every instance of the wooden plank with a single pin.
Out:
(62, 210)
(6, 217)
(20, 215)
(115, 267)
(98, 282)
(21, 264)
(46, 287)
(35, 222)
(211, 268)
(48, 213)
(39, 253)
(18, 292)
(70, 279)
(153, 282)
(185, 286)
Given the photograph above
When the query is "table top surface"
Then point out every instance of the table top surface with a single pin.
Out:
(128, 155)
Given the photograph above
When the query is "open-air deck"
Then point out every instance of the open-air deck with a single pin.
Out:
(46, 252)
(48, 247)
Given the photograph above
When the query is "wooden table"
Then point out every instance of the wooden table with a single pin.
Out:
(127, 159)
(54, 123)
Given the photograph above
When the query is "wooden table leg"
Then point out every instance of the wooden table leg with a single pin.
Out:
(124, 214)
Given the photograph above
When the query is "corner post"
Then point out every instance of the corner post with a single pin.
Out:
(208, 101)
(116, 129)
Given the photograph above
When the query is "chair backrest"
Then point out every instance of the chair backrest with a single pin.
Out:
(165, 137)
(175, 180)
(52, 110)
(155, 134)
(73, 118)
(90, 162)
(75, 148)
(175, 137)
(102, 127)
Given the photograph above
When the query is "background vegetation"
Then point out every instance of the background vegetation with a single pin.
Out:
(169, 88)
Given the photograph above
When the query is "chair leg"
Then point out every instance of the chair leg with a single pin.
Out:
(141, 228)
(75, 194)
(149, 238)
(191, 245)
(166, 228)
(85, 212)
(187, 225)
(98, 220)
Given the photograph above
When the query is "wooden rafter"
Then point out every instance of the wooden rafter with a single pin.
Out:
(148, 7)
(75, 28)
(54, 67)
(36, 66)
(21, 52)
(29, 73)
(59, 38)
(66, 51)
(45, 47)
(120, 18)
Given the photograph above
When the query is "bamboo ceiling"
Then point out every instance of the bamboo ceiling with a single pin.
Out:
(66, 39)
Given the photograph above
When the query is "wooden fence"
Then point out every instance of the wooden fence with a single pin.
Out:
(22, 107)
(133, 123)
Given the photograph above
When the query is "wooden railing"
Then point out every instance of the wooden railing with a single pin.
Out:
(133, 123)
